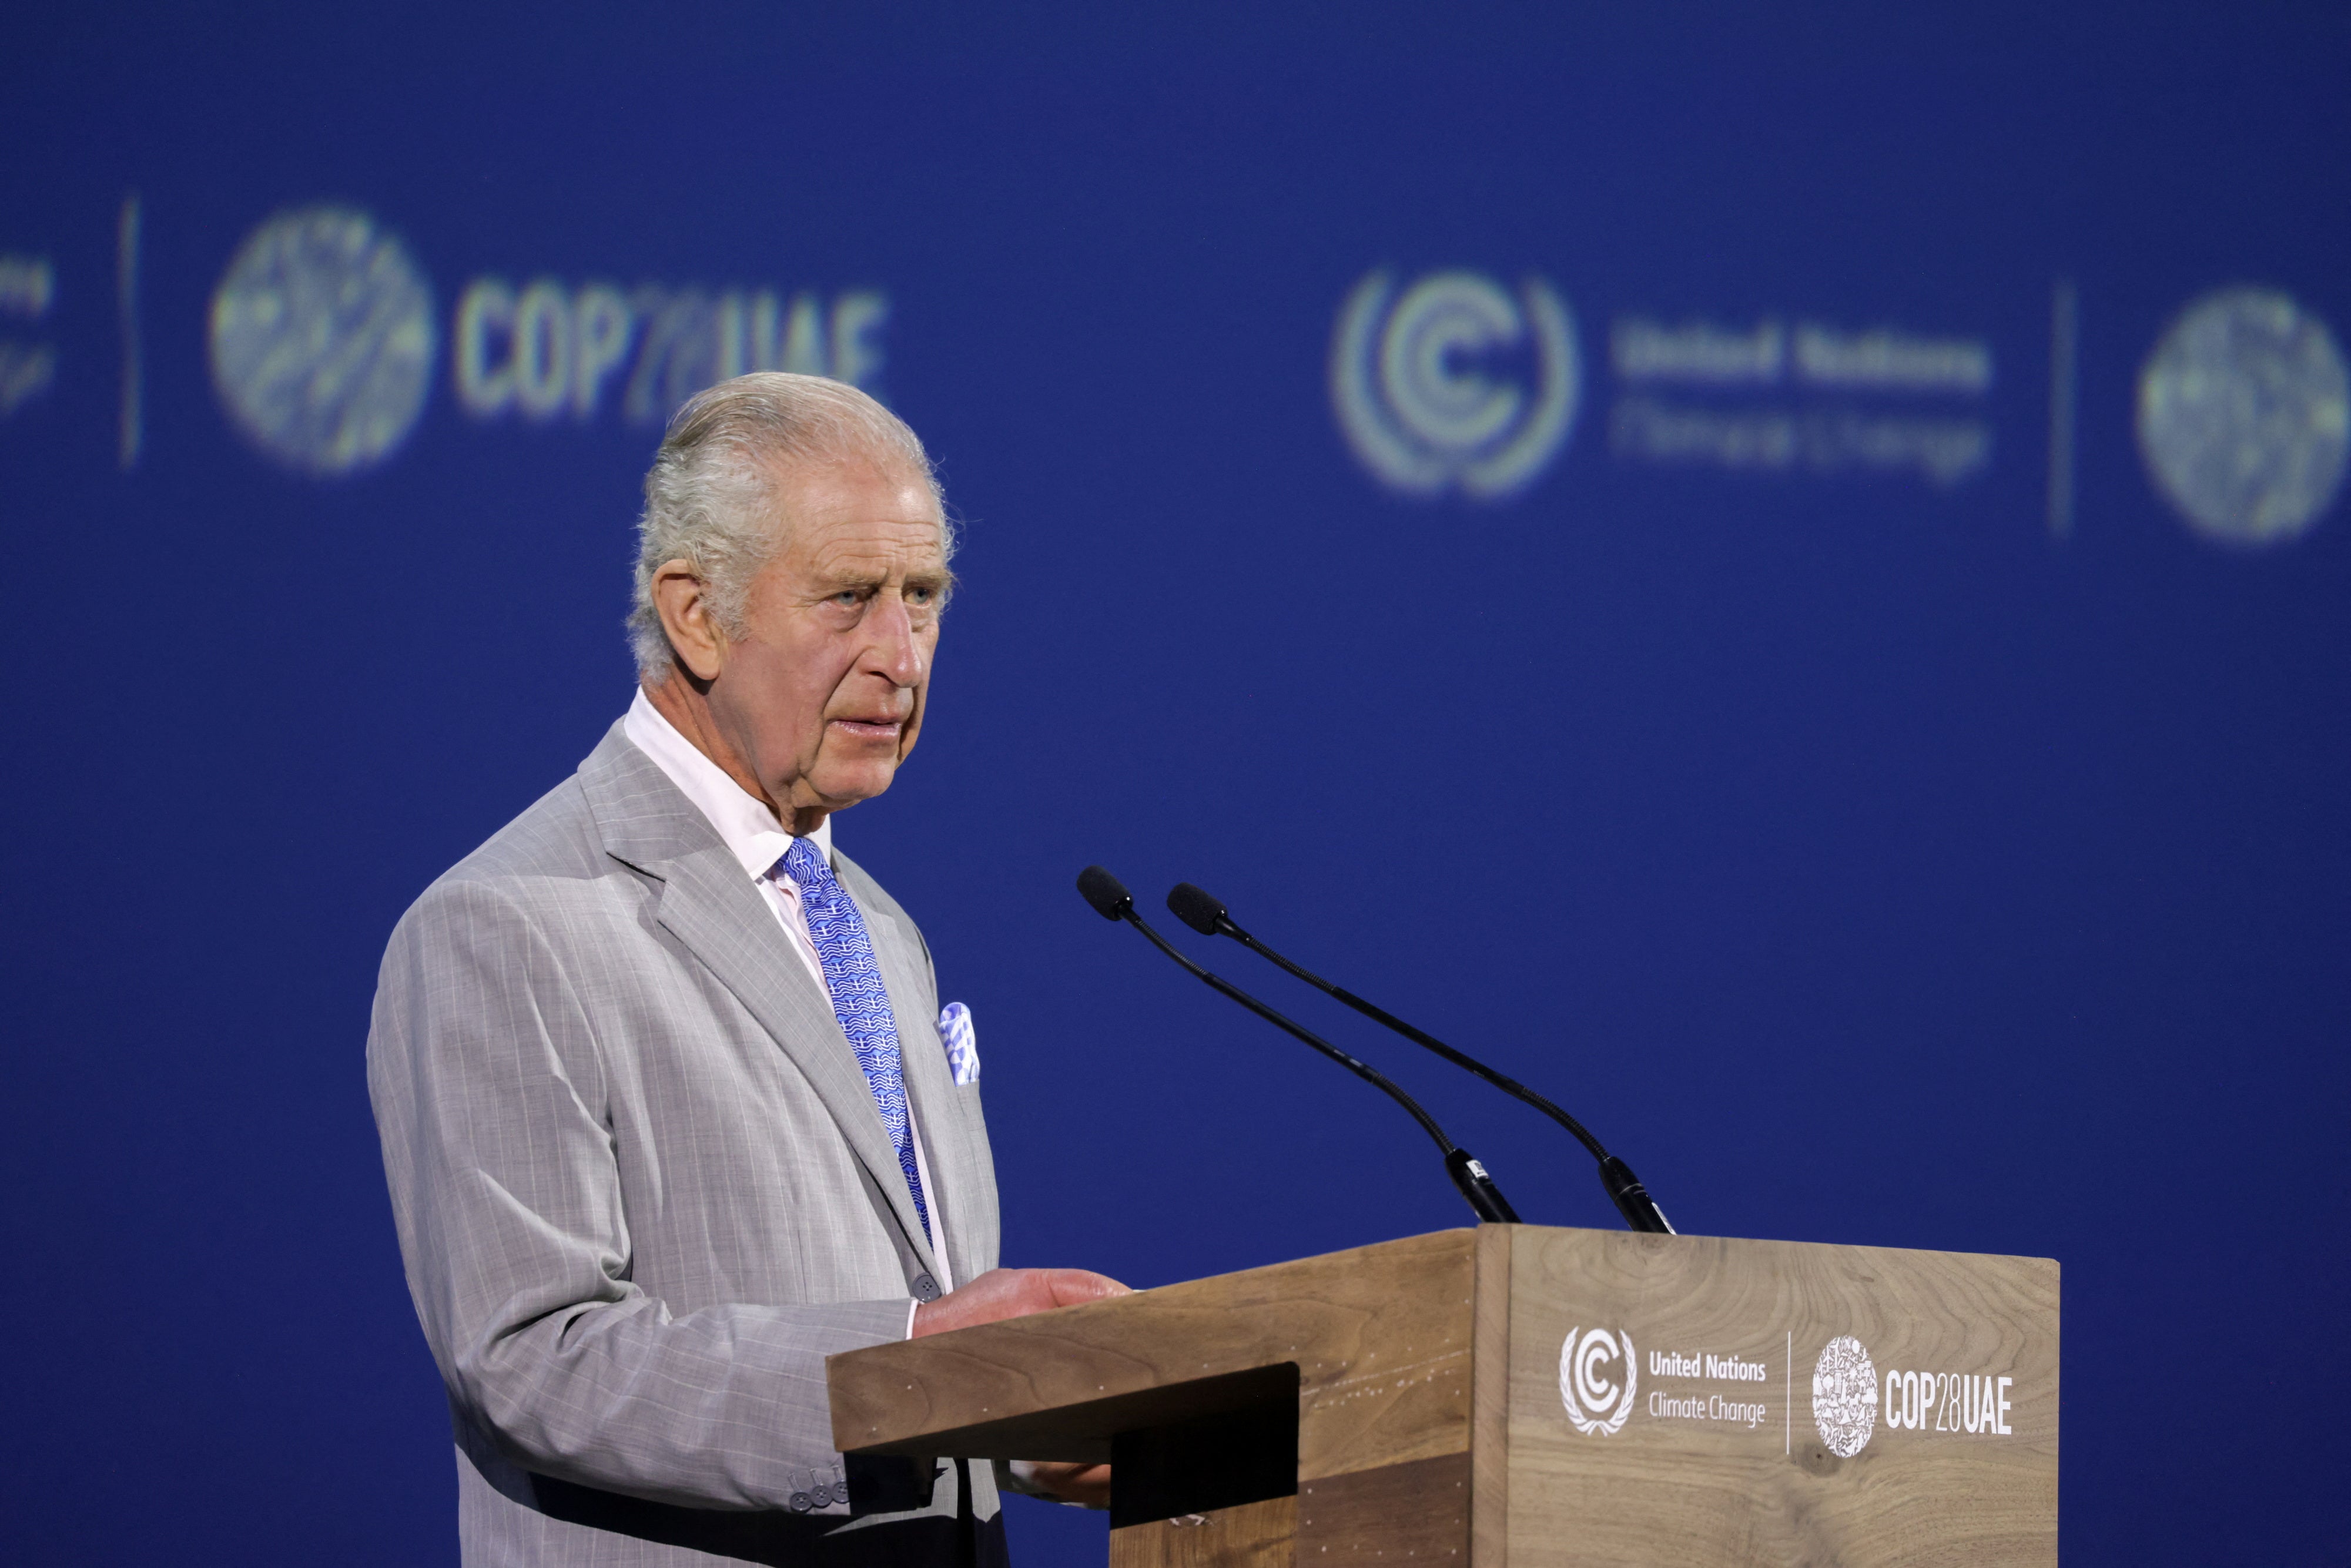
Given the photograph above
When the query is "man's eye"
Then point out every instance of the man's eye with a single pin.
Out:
(920, 595)
(846, 597)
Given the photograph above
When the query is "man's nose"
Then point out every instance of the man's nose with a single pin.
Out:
(894, 650)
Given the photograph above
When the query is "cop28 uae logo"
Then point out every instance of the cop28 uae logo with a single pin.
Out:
(1844, 1395)
(1587, 1363)
(1456, 382)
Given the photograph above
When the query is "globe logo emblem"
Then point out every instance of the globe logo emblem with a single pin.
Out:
(2244, 417)
(1590, 1361)
(1457, 383)
(1844, 1396)
(322, 340)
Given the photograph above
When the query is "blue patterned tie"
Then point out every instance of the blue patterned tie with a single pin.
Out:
(859, 998)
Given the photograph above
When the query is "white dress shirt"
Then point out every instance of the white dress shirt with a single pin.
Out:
(759, 842)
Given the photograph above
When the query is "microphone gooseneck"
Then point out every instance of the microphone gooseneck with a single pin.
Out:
(1113, 901)
(1205, 913)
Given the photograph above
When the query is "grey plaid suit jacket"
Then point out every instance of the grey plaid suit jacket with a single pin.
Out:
(643, 1190)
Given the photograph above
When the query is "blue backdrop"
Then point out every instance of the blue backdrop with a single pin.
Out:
(1776, 571)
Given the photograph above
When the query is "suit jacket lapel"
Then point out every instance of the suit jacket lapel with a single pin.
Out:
(710, 907)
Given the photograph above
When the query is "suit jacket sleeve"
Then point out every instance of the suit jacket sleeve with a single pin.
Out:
(487, 1089)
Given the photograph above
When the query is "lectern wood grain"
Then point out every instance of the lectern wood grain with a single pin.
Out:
(1489, 1438)
(1713, 1463)
(1254, 1535)
(1381, 1337)
(1525, 1397)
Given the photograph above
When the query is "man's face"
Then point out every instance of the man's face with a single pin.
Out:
(822, 694)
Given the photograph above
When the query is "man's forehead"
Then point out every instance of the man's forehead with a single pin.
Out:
(909, 543)
(861, 518)
(867, 546)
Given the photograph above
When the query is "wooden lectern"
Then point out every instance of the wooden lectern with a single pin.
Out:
(1517, 1396)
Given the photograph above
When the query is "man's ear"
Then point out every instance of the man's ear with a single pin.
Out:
(694, 633)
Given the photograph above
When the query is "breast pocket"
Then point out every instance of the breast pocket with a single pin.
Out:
(961, 1042)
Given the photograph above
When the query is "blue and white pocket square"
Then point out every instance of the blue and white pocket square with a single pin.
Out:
(963, 1046)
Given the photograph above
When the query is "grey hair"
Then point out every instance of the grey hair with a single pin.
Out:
(710, 495)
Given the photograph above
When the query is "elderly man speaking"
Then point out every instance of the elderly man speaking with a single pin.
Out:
(669, 1108)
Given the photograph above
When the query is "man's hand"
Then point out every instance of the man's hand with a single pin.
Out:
(1086, 1485)
(1015, 1293)
(1012, 1293)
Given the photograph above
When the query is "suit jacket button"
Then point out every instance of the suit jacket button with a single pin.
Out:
(801, 1503)
(925, 1288)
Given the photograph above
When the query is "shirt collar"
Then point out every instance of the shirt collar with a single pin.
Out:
(749, 828)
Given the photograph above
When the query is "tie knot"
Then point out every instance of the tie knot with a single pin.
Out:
(805, 865)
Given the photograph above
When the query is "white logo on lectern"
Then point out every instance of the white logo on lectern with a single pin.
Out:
(1425, 388)
(1593, 1403)
(1844, 1396)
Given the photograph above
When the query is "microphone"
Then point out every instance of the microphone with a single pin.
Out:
(1204, 912)
(1113, 901)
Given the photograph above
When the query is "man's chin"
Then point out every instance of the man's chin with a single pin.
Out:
(842, 788)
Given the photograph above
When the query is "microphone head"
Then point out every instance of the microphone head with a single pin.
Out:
(1196, 909)
(1105, 893)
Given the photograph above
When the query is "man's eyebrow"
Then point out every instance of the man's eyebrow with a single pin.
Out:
(849, 576)
(832, 582)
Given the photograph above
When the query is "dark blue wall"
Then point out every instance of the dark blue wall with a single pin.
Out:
(1948, 860)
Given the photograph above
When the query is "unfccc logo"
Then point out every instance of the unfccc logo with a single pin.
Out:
(1457, 383)
(1585, 1361)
